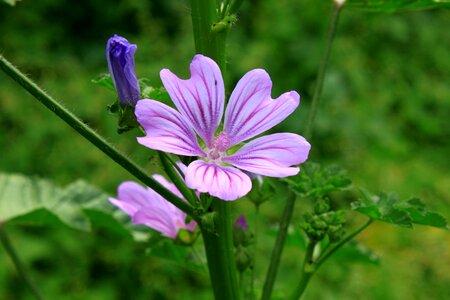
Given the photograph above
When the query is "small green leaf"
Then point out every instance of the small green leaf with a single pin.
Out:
(104, 80)
(396, 5)
(388, 208)
(159, 94)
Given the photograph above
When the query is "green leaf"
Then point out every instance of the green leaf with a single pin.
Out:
(11, 2)
(316, 181)
(104, 80)
(395, 5)
(388, 208)
(159, 94)
(35, 201)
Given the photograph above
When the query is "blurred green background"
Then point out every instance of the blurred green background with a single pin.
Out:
(383, 117)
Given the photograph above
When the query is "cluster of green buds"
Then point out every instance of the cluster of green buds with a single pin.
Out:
(242, 239)
(324, 222)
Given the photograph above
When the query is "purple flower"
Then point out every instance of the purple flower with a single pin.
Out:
(241, 222)
(250, 111)
(145, 206)
(120, 56)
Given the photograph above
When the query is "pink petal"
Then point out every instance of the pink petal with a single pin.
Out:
(226, 183)
(131, 197)
(200, 99)
(272, 155)
(157, 219)
(166, 129)
(251, 110)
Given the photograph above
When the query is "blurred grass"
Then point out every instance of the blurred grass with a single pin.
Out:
(383, 116)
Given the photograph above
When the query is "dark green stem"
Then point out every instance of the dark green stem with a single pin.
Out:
(308, 270)
(171, 170)
(88, 133)
(219, 253)
(312, 267)
(18, 264)
(278, 248)
(210, 40)
(322, 69)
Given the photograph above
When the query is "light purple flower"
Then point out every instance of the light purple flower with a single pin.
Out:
(120, 57)
(250, 111)
(145, 206)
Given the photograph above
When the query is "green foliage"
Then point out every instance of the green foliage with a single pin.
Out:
(34, 201)
(11, 2)
(393, 5)
(388, 208)
(356, 252)
(318, 182)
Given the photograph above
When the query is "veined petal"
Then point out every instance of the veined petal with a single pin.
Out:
(157, 219)
(166, 129)
(226, 183)
(199, 99)
(272, 155)
(131, 197)
(251, 110)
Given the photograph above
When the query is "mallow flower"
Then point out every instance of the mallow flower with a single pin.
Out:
(221, 154)
(146, 207)
(120, 57)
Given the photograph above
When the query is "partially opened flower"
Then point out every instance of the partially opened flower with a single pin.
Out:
(250, 111)
(146, 207)
(120, 57)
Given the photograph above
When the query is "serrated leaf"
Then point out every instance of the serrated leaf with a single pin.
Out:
(388, 208)
(104, 80)
(35, 201)
(396, 5)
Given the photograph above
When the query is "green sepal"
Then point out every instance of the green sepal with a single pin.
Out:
(104, 80)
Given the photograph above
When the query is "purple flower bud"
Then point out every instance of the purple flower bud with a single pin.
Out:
(242, 223)
(120, 56)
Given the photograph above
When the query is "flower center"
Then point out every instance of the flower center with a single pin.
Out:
(221, 144)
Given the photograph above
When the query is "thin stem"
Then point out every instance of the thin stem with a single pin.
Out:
(323, 68)
(307, 270)
(18, 264)
(312, 267)
(88, 133)
(327, 255)
(169, 167)
(220, 254)
(255, 248)
(278, 247)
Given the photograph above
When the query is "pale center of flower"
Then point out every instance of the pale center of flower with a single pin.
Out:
(221, 144)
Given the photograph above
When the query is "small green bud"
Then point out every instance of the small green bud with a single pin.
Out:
(243, 258)
(322, 206)
(208, 221)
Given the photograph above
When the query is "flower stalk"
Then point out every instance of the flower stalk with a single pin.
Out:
(219, 242)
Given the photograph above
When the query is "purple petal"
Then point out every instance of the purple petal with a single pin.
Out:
(251, 110)
(157, 219)
(226, 183)
(272, 155)
(166, 129)
(120, 57)
(200, 99)
(132, 197)
(147, 207)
